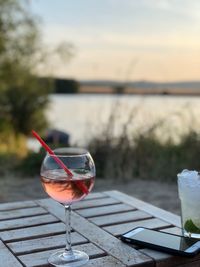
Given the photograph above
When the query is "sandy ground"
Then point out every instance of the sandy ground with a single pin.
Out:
(160, 194)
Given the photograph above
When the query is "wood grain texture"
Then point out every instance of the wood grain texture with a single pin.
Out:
(113, 246)
(110, 209)
(33, 232)
(40, 258)
(112, 219)
(94, 203)
(26, 222)
(7, 259)
(120, 229)
(20, 213)
(94, 196)
(17, 205)
(173, 230)
(107, 261)
(139, 204)
(44, 243)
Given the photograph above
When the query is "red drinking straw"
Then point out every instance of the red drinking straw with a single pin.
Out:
(80, 184)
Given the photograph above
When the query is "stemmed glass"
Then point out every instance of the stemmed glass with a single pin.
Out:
(67, 188)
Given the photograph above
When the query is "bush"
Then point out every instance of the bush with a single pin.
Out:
(8, 162)
(31, 164)
(140, 155)
(144, 156)
(66, 86)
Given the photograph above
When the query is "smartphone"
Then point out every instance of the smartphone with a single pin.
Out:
(170, 243)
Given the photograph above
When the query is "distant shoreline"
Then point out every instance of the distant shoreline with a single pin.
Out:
(84, 89)
(178, 88)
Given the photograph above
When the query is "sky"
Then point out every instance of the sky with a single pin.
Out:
(124, 40)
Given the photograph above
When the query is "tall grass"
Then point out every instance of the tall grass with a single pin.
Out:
(144, 154)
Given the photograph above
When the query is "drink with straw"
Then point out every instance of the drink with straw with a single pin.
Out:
(189, 194)
(67, 175)
(64, 189)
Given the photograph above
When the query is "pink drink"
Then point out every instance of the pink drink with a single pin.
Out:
(65, 189)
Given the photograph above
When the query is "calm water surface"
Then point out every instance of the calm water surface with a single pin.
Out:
(84, 116)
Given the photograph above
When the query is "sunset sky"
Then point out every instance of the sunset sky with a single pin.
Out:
(156, 40)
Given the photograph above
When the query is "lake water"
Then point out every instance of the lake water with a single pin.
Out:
(84, 116)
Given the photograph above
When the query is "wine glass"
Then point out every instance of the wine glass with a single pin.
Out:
(67, 188)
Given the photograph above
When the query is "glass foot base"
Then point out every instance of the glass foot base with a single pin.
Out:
(64, 259)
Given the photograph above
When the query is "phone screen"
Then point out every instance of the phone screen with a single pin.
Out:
(162, 239)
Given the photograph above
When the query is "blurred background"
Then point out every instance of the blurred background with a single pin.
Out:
(119, 77)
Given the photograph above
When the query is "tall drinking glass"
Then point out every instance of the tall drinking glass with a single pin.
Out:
(189, 194)
(66, 190)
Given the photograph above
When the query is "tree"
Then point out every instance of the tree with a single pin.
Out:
(23, 98)
(66, 86)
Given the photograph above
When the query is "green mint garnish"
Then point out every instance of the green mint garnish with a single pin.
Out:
(190, 227)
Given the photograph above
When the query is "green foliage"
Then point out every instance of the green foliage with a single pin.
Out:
(61, 86)
(22, 107)
(144, 156)
(30, 165)
(190, 227)
(22, 98)
(64, 86)
(8, 163)
(19, 40)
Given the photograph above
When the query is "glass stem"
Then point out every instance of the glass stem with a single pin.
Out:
(68, 248)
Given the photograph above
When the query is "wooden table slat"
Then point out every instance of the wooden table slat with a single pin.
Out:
(40, 258)
(7, 259)
(26, 222)
(115, 208)
(37, 244)
(113, 246)
(107, 261)
(17, 205)
(119, 229)
(33, 232)
(95, 196)
(13, 214)
(173, 230)
(95, 203)
(120, 218)
(139, 204)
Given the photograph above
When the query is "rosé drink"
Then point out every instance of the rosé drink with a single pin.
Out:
(67, 175)
(65, 189)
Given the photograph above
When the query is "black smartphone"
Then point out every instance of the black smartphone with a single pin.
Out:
(170, 243)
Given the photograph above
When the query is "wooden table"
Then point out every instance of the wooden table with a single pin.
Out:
(31, 230)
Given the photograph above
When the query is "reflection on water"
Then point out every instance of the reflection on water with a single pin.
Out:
(83, 116)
